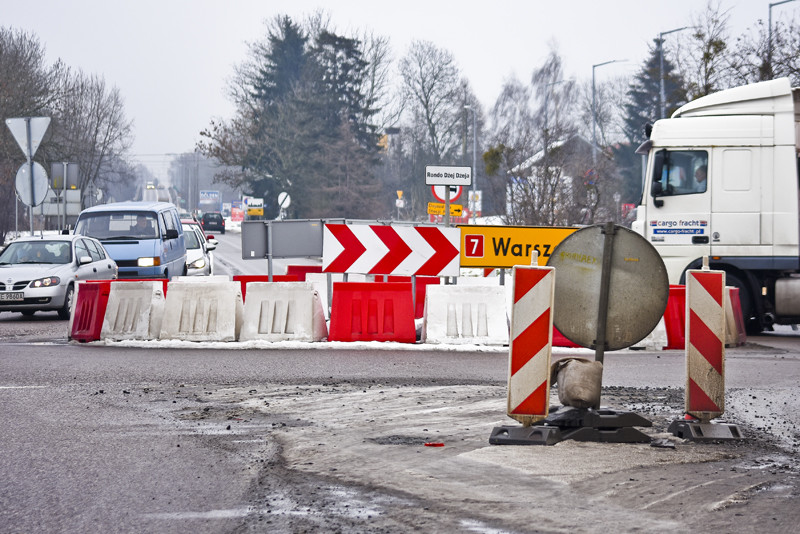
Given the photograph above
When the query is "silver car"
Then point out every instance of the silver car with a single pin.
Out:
(199, 259)
(40, 273)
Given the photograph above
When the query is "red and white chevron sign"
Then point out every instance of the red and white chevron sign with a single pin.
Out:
(531, 344)
(705, 344)
(393, 250)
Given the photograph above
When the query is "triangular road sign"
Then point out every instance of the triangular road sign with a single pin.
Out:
(19, 130)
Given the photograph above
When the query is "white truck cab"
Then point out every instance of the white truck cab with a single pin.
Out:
(722, 181)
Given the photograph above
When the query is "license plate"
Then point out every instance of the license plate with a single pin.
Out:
(16, 295)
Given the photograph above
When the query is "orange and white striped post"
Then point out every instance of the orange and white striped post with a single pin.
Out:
(531, 344)
(705, 344)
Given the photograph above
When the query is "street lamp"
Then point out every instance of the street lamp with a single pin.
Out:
(546, 96)
(594, 111)
(662, 98)
(769, 44)
(473, 196)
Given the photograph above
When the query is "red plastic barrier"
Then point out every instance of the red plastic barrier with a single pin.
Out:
(247, 278)
(560, 341)
(675, 318)
(738, 318)
(300, 271)
(422, 283)
(90, 309)
(372, 311)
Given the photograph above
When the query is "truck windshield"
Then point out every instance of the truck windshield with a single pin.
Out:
(684, 172)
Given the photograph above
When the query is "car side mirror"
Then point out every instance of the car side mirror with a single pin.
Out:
(171, 233)
(83, 260)
(210, 246)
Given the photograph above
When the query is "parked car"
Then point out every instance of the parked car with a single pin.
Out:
(144, 238)
(39, 273)
(199, 258)
(213, 221)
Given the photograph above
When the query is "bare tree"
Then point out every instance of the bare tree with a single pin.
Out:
(91, 129)
(786, 51)
(702, 55)
(534, 139)
(431, 83)
(377, 52)
(26, 89)
(751, 59)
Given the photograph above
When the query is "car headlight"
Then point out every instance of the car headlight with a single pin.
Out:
(45, 282)
(198, 263)
(148, 262)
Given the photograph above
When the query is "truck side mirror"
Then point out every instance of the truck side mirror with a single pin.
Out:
(658, 166)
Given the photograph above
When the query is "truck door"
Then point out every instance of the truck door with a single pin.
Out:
(736, 206)
(679, 206)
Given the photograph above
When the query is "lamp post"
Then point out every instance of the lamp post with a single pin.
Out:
(473, 196)
(662, 98)
(546, 113)
(594, 110)
(769, 42)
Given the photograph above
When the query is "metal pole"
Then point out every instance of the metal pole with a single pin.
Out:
(269, 250)
(474, 165)
(594, 123)
(30, 168)
(447, 206)
(600, 341)
(662, 97)
(64, 194)
(474, 190)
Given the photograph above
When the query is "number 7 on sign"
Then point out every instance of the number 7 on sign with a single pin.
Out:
(473, 246)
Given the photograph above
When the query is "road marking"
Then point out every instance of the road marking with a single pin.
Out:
(22, 387)
(211, 514)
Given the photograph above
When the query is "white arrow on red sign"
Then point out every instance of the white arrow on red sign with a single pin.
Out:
(391, 250)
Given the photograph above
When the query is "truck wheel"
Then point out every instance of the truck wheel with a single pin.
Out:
(752, 324)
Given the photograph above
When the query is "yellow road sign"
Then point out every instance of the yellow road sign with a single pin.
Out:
(437, 208)
(502, 247)
(259, 212)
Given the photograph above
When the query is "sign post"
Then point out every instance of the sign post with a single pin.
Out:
(28, 132)
(447, 175)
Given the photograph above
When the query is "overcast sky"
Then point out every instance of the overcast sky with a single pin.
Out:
(172, 59)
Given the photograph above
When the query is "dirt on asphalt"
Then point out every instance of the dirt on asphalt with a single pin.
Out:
(395, 458)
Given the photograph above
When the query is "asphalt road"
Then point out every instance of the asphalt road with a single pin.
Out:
(333, 438)
(169, 437)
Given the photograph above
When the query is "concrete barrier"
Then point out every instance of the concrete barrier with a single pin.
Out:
(655, 340)
(471, 314)
(283, 311)
(202, 311)
(245, 279)
(134, 311)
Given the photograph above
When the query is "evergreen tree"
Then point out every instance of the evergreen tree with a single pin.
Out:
(643, 107)
(304, 124)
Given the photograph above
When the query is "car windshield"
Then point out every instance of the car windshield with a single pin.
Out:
(191, 239)
(118, 225)
(55, 252)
